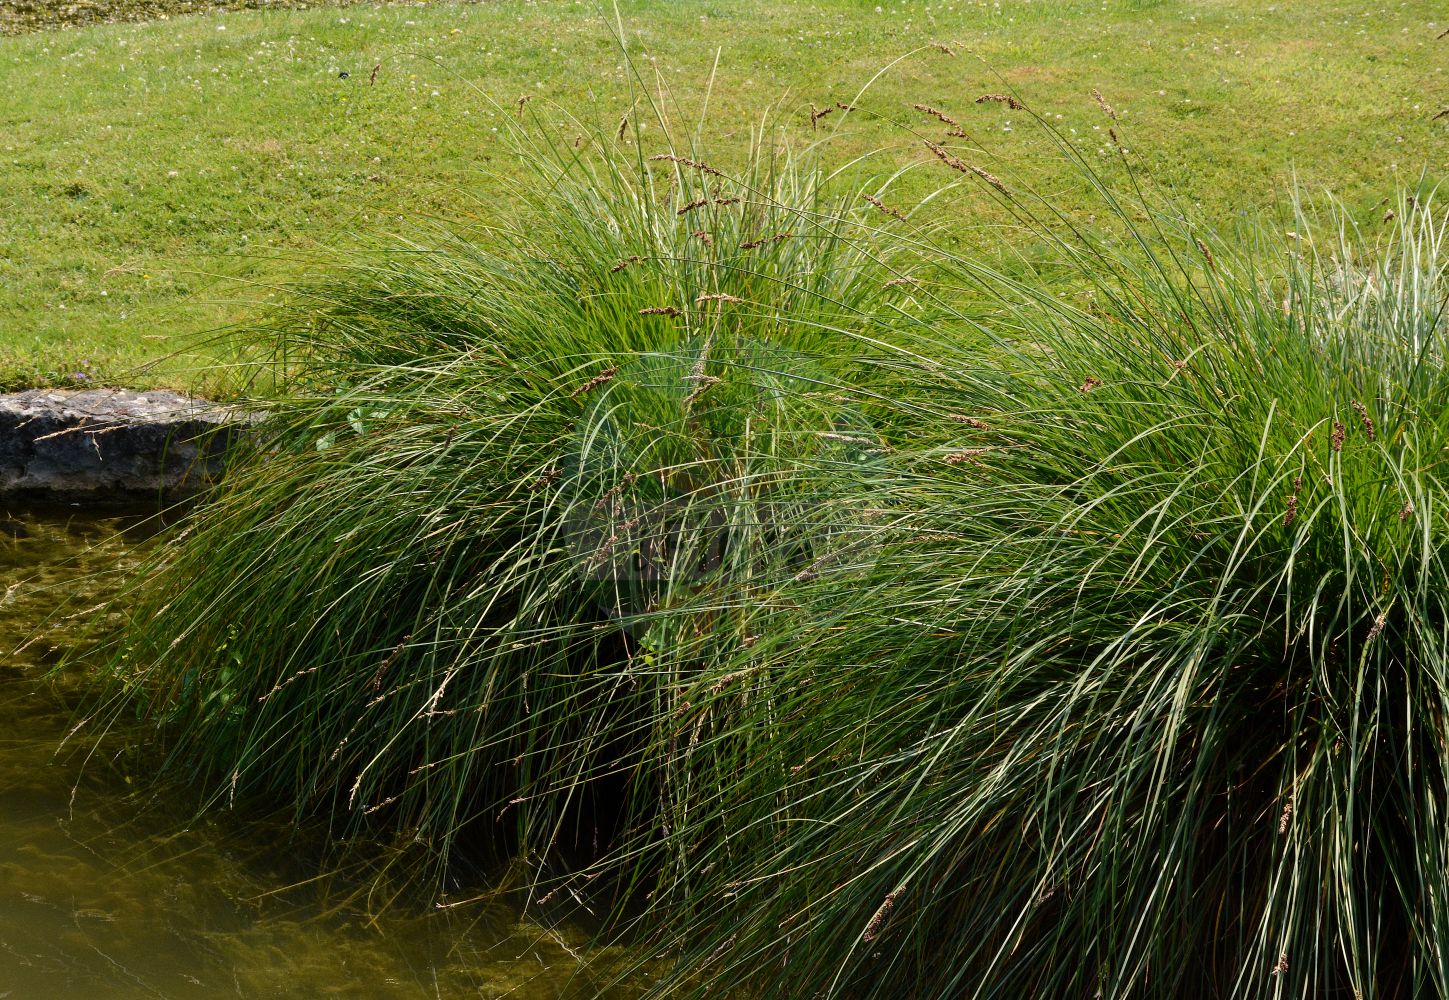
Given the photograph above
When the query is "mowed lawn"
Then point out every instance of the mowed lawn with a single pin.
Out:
(160, 180)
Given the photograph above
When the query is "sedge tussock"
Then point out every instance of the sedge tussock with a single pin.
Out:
(854, 639)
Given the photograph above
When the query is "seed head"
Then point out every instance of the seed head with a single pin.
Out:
(1378, 626)
(702, 384)
(961, 418)
(1207, 254)
(1291, 514)
(685, 161)
(521, 102)
(719, 952)
(547, 479)
(623, 127)
(1368, 423)
(1090, 384)
(895, 213)
(937, 113)
(607, 375)
(818, 113)
(625, 263)
(660, 311)
(1389, 215)
(716, 297)
(697, 203)
(882, 913)
(1107, 109)
(901, 281)
(777, 238)
(381, 805)
(991, 179)
(1408, 509)
(944, 48)
(730, 678)
(1336, 438)
(947, 158)
(1007, 99)
(703, 236)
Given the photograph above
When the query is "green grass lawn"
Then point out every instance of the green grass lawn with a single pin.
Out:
(161, 178)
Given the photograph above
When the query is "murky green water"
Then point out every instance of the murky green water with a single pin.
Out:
(106, 892)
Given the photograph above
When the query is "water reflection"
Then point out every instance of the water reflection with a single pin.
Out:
(104, 893)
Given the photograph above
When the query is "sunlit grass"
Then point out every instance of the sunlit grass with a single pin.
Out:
(161, 178)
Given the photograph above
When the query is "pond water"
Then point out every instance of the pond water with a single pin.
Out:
(109, 890)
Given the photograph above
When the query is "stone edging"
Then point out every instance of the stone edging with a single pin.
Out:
(111, 445)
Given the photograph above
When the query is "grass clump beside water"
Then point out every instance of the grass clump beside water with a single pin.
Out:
(1143, 694)
(861, 614)
(418, 606)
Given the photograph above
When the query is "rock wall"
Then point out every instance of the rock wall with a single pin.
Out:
(111, 445)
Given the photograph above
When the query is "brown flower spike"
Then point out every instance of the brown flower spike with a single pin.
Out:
(685, 161)
(877, 921)
(937, 113)
(1107, 109)
(1368, 422)
(895, 213)
(607, 375)
(1007, 99)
